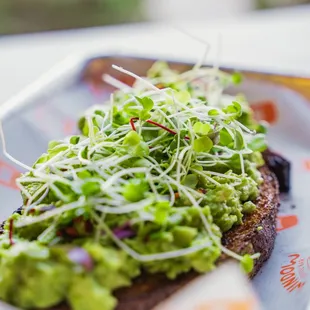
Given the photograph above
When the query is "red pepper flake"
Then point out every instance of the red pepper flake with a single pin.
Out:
(155, 124)
(11, 230)
(177, 195)
(202, 190)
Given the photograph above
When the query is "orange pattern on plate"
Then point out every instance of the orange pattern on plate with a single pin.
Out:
(228, 305)
(307, 164)
(265, 110)
(286, 221)
(293, 274)
(11, 172)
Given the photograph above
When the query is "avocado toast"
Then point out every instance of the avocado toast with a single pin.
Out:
(161, 185)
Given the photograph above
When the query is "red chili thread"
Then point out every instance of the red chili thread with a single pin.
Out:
(155, 124)
(11, 229)
(161, 126)
(132, 122)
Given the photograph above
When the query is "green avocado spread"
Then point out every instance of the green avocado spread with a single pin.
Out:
(154, 179)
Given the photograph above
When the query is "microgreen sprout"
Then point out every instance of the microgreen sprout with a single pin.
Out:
(155, 157)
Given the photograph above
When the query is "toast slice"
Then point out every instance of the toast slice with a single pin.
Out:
(257, 234)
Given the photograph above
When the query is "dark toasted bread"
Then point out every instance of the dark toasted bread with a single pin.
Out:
(257, 234)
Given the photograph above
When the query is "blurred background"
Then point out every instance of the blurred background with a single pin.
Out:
(24, 16)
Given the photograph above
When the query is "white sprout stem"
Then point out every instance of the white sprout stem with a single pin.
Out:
(115, 83)
(91, 133)
(167, 118)
(156, 148)
(30, 205)
(206, 176)
(246, 129)
(116, 176)
(222, 175)
(179, 165)
(48, 230)
(137, 77)
(231, 253)
(152, 185)
(7, 155)
(158, 138)
(22, 189)
(83, 160)
(43, 166)
(132, 207)
(26, 221)
(59, 193)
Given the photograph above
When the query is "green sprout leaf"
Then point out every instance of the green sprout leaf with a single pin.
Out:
(75, 140)
(131, 109)
(141, 150)
(132, 138)
(247, 263)
(44, 158)
(238, 108)
(146, 102)
(191, 180)
(85, 174)
(201, 129)
(84, 153)
(183, 96)
(135, 190)
(91, 188)
(213, 112)
(234, 109)
(148, 105)
(144, 115)
(53, 144)
(261, 128)
(203, 144)
(258, 143)
(237, 78)
(225, 137)
(161, 214)
(82, 125)
(135, 145)
(239, 141)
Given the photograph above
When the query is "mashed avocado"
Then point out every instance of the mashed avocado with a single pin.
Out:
(150, 184)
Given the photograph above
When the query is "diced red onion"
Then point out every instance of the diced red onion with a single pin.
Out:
(81, 257)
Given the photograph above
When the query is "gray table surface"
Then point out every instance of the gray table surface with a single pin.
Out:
(271, 41)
